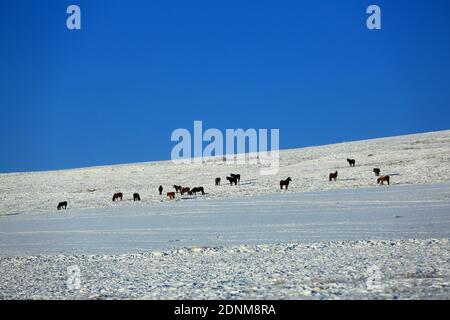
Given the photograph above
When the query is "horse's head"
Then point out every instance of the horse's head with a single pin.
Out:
(289, 179)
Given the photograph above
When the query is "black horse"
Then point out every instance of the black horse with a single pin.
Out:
(333, 176)
(232, 180)
(217, 181)
(376, 171)
(285, 183)
(237, 176)
(62, 205)
(351, 162)
(160, 189)
(197, 189)
(177, 188)
(136, 197)
(117, 196)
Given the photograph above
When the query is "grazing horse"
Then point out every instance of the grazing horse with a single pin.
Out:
(376, 171)
(333, 176)
(217, 181)
(117, 196)
(177, 188)
(383, 179)
(171, 195)
(160, 189)
(185, 190)
(236, 176)
(285, 183)
(351, 162)
(136, 197)
(232, 180)
(62, 205)
(197, 189)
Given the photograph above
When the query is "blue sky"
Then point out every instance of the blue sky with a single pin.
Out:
(114, 91)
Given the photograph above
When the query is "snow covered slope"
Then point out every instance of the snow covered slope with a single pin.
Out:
(386, 213)
(318, 240)
(412, 159)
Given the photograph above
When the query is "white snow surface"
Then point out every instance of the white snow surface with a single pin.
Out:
(394, 212)
(252, 241)
(408, 269)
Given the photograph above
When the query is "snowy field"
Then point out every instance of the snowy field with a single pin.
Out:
(408, 269)
(413, 159)
(318, 240)
(395, 212)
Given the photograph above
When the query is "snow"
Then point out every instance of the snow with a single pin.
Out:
(317, 240)
(409, 269)
(395, 212)
(412, 159)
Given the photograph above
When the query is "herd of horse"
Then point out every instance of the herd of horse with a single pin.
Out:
(233, 179)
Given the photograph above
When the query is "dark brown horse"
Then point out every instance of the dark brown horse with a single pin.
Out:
(285, 183)
(136, 197)
(376, 171)
(232, 180)
(197, 189)
(185, 190)
(171, 195)
(177, 188)
(160, 189)
(381, 180)
(117, 196)
(62, 205)
(351, 162)
(217, 181)
(333, 176)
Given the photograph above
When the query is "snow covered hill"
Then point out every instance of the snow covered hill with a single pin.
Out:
(412, 159)
(249, 241)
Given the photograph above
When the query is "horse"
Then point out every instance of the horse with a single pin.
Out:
(217, 181)
(136, 197)
(351, 162)
(383, 179)
(232, 180)
(285, 183)
(160, 189)
(333, 176)
(62, 205)
(197, 189)
(117, 196)
(177, 188)
(171, 195)
(237, 176)
(376, 171)
(185, 190)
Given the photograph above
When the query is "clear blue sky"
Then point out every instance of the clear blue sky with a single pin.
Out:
(114, 91)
